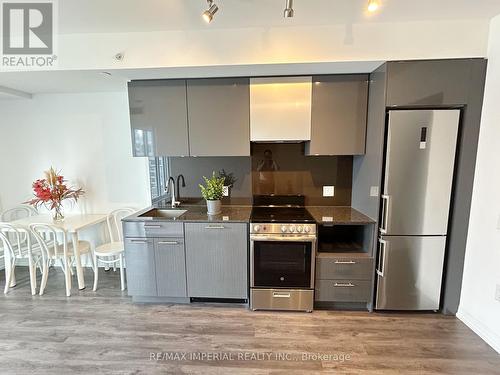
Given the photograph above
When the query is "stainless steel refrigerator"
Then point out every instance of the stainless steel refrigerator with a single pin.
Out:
(418, 179)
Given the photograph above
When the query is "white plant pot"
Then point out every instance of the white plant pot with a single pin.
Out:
(214, 207)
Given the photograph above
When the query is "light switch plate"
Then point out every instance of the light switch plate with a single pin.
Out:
(328, 191)
(225, 191)
(373, 191)
(498, 222)
(327, 219)
(497, 293)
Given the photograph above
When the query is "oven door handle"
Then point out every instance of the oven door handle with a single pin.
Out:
(283, 238)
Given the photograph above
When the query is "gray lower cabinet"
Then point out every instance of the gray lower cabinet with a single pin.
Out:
(158, 118)
(141, 270)
(219, 116)
(343, 290)
(344, 279)
(217, 260)
(170, 262)
(338, 115)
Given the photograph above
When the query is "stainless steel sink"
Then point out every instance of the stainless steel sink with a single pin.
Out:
(164, 213)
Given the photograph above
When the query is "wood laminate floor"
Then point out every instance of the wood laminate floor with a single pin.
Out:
(103, 332)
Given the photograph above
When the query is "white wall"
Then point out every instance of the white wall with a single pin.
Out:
(87, 136)
(478, 307)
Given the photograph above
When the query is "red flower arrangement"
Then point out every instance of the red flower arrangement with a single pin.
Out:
(51, 191)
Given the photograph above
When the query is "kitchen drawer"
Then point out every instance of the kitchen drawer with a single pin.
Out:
(354, 268)
(343, 290)
(153, 229)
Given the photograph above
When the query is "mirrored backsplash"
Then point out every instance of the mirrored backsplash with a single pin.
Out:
(273, 168)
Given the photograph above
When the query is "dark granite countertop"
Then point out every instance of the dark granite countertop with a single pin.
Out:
(338, 215)
(197, 213)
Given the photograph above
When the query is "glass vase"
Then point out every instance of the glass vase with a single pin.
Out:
(58, 214)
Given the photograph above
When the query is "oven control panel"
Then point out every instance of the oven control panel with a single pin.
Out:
(296, 228)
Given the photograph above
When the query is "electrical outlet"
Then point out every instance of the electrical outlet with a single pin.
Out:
(328, 191)
(225, 191)
(374, 191)
(497, 293)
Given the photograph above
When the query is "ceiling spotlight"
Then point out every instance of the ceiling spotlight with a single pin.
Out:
(208, 15)
(288, 12)
(373, 5)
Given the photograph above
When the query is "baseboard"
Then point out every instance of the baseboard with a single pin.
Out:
(491, 338)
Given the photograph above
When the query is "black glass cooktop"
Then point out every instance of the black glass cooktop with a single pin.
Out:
(281, 215)
(280, 209)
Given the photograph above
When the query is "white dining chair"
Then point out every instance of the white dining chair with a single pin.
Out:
(111, 253)
(15, 213)
(17, 245)
(55, 246)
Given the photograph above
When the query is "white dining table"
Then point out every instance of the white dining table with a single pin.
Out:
(72, 224)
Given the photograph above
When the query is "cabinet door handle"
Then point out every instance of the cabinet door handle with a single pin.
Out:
(139, 241)
(152, 226)
(345, 262)
(215, 227)
(168, 243)
(344, 285)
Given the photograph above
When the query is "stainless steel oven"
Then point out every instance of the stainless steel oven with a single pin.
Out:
(282, 266)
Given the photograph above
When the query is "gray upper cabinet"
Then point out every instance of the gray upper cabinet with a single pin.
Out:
(158, 118)
(217, 260)
(141, 274)
(338, 116)
(219, 117)
(433, 82)
(170, 267)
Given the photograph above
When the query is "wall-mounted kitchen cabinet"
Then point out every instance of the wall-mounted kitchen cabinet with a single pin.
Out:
(219, 117)
(158, 118)
(280, 109)
(338, 115)
(428, 82)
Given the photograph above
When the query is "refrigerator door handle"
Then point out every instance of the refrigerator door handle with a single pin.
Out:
(385, 214)
(381, 257)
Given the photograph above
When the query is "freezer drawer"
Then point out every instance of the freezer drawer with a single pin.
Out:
(409, 272)
(420, 158)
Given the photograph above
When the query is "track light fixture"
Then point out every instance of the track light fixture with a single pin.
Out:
(208, 15)
(373, 5)
(288, 12)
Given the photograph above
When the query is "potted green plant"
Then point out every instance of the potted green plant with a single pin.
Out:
(212, 192)
(229, 180)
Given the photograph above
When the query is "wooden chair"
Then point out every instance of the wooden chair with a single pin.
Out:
(112, 252)
(55, 246)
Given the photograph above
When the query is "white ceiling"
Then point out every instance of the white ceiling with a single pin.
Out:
(95, 16)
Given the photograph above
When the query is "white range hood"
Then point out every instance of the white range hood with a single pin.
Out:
(280, 109)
